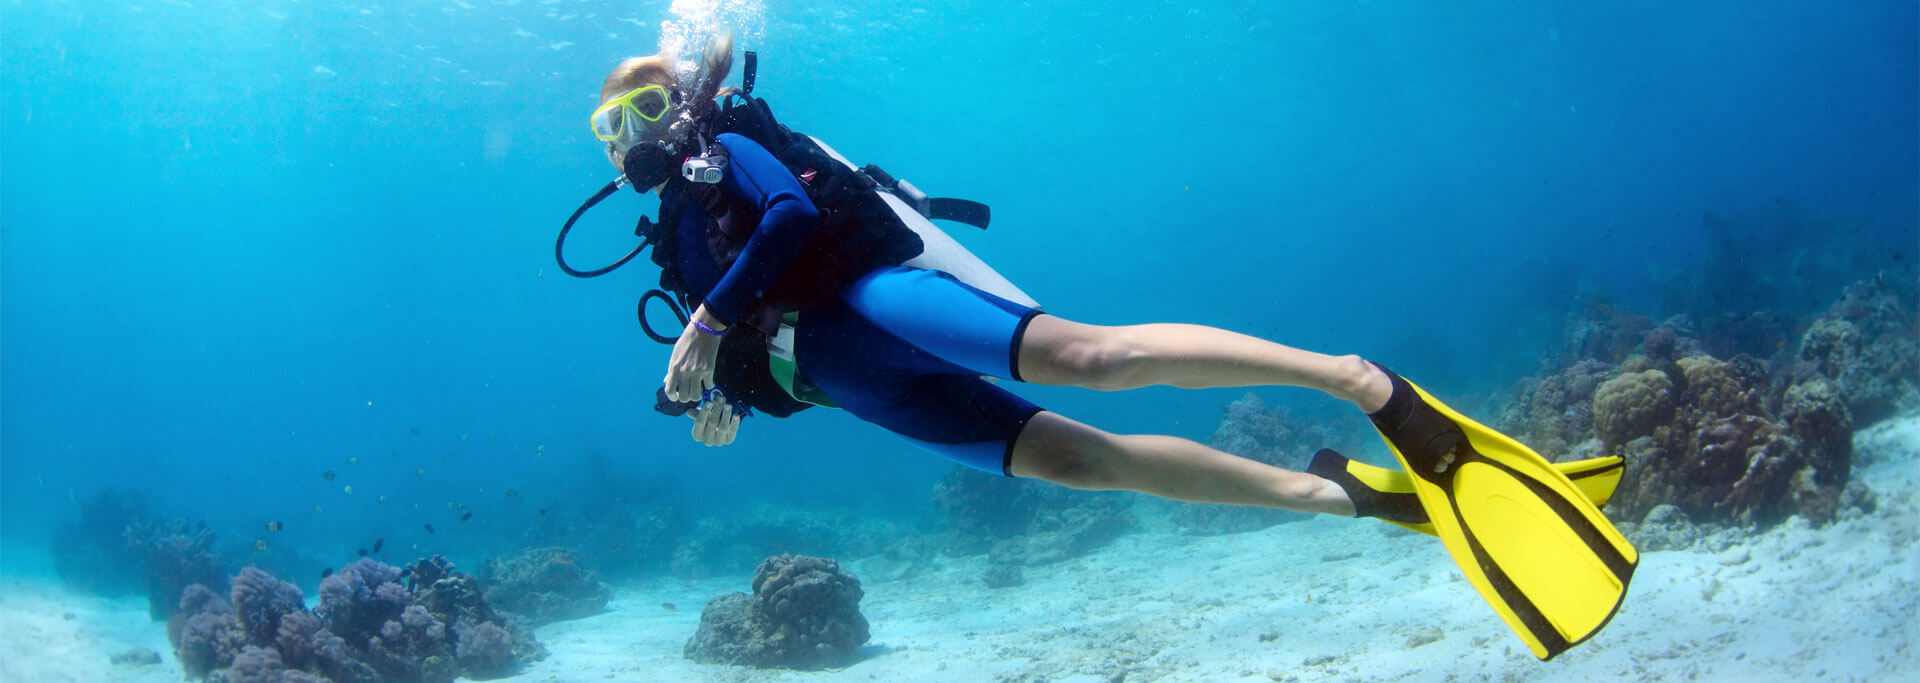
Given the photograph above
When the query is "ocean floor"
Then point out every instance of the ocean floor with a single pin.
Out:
(1325, 598)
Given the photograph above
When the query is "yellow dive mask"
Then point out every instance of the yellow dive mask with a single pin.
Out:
(612, 120)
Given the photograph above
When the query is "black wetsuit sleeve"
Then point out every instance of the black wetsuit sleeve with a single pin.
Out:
(787, 220)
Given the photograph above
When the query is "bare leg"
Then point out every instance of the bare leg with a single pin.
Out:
(1061, 352)
(1060, 450)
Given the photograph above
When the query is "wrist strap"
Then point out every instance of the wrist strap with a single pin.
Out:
(703, 328)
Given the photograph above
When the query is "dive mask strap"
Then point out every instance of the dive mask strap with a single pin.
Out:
(748, 72)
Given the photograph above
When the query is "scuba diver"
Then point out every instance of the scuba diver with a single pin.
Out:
(800, 279)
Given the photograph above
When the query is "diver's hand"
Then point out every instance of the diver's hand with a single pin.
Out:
(715, 423)
(690, 370)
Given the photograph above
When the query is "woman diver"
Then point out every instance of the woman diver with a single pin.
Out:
(802, 278)
(907, 348)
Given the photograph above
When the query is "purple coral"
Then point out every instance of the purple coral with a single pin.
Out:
(206, 636)
(259, 601)
(361, 597)
(369, 627)
(295, 637)
(176, 555)
(483, 649)
(257, 665)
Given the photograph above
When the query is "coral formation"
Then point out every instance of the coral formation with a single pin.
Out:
(1723, 419)
(544, 585)
(625, 526)
(369, 626)
(1662, 344)
(1002, 576)
(619, 524)
(1067, 533)
(1868, 345)
(1251, 429)
(139, 656)
(1702, 434)
(1024, 521)
(259, 603)
(204, 632)
(93, 555)
(176, 556)
(804, 614)
(1556, 413)
(982, 506)
(1604, 332)
(1632, 405)
(1665, 527)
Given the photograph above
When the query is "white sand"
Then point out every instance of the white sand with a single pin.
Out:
(48, 634)
(1317, 599)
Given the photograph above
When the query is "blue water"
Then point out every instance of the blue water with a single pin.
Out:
(247, 241)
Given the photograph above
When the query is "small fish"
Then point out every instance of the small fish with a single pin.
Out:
(404, 571)
(543, 512)
(668, 606)
(377, 543)
(260, 544)
(429, 527)
(353, 460)
(466, 517)
(415, 431)
(452, 505)
(512, 493)
(328, 475)
(324, 573)
(420, 472)
(316, 508)
(383, 499)
(363, 552)
(348, 488)
(273, 526)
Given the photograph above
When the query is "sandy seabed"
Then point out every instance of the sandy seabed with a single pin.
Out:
(1319, 599)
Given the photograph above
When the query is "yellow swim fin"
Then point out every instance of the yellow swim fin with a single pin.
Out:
(1595, 477)
(1536, 548)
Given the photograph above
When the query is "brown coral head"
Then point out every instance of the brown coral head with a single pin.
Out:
(1661, 344)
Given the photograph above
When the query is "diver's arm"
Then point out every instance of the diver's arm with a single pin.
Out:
(788, 219)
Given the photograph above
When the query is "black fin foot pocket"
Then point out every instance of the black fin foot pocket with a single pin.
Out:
(1368, 501)
(1431, 443)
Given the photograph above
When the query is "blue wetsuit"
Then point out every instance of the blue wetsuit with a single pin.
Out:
(903, 348)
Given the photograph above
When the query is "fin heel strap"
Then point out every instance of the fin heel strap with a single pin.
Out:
(1329, 464)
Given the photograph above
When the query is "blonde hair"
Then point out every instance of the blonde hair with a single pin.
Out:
(716, 62)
